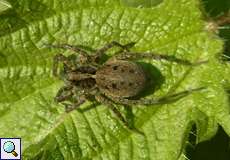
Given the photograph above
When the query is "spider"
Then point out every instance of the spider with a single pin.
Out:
(118, 80)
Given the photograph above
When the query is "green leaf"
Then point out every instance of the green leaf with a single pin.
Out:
(173, 27)
(214, 8)
(141, 3)
(4, 5)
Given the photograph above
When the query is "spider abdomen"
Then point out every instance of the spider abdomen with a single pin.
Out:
(121, 79)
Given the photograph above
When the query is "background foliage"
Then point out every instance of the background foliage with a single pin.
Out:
(27, 86)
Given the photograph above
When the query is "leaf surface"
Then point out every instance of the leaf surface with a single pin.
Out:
(4, 5)
(27, 88)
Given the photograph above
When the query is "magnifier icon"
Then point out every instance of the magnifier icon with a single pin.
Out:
(9, 147)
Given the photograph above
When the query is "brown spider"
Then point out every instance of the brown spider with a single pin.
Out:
(115, 81)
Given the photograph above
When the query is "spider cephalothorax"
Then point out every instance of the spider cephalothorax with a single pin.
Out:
(115, 81)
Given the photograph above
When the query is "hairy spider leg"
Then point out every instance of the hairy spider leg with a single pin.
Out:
(81, 96)
(115, 44)
(76, 104)
(160, 100)
(152, 55)
(60, 58)
(99, 52)
(64, 94)
(75, 48)
(104, 100)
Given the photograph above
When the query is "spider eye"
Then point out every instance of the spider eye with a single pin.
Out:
(114, 86)
(115, 67)
(130, 84)
(131, 71)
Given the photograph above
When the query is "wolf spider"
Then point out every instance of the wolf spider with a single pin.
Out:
(116, 81)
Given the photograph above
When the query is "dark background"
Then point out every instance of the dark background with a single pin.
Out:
(215, 8)
(218, 148)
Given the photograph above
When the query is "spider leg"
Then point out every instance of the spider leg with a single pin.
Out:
(75, 48)
(160, 100)
(152, 55)
(64, 94)
(59, 58)
(79, 98)
(78, 77)
(113, 44)
(102, 99)
(98, 54)
(73, 106)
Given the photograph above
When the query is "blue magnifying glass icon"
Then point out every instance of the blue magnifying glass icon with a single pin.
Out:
(9, 147)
